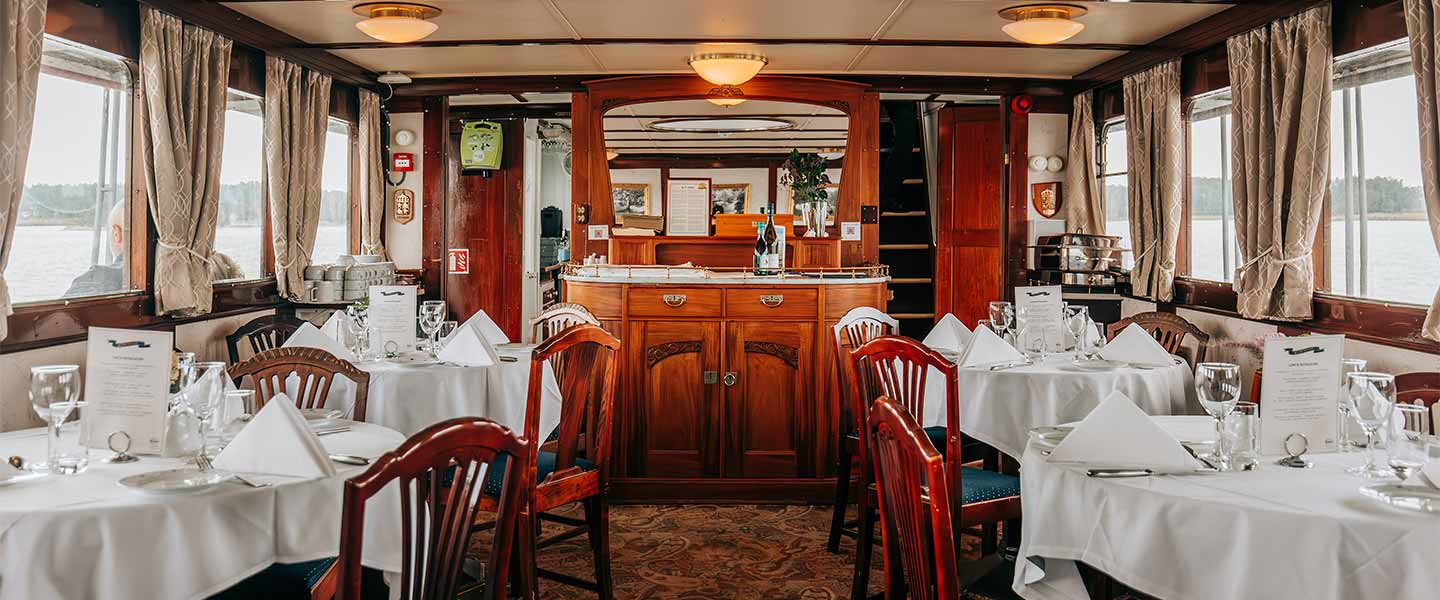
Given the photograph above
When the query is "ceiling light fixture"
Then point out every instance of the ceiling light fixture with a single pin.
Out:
(1043, 24)
(396, 22)
(727, 70)
(721, 125)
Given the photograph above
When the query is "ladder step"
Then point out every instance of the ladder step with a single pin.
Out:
(914, 181)
(910, 280)
(916, 150)
(906, 213)
(904, 246)
(929, 315)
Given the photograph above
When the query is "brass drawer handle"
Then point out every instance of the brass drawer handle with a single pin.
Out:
(731, 378)
(674, 300)
(772, 300)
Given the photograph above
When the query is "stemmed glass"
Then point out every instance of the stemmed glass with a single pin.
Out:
(432, 314)
(1218, 387)
(1001, 316)
(447, 328)
(1347, 366)
(1372, 400)
(54, 390)
(1406, 449)
(205, 397)
(1077, 319)
(355, 326)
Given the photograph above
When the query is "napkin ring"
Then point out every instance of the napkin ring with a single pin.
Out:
(122, 454)
(1296, 444)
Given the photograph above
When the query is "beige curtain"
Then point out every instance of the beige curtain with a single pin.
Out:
(372, 175)
(1155, 165)
(297, 105)
(1084, 207)
(22, 25)
(184, 72)
(1422, 21)
(1280, 152)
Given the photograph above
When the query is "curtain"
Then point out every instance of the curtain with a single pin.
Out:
(1155, 165)
(297, 106)
(22, 27)
(930, 139)
(372, 175)
(1422, 21)
(184, 72)
(1084, 207)
(1280, 152)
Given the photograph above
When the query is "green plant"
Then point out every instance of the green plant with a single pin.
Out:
(805, 174)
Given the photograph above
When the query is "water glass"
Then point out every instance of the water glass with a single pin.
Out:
(1242, 436)
(1372, 401)
(986, 323)
(1347, 366)
(432, 313)
(1406, 449)
(1077, 321)
(1034, 340)
(54, 391)
(1002, 316)
(205, 397)
(447, 328)
(1218, 387)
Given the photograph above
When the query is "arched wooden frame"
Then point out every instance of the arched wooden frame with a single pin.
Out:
(590, 171)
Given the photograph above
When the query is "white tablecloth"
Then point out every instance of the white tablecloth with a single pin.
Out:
(85, 536)
(1000, 407)
(1273, 533)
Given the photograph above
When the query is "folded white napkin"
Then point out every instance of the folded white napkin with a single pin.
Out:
(465, 346)
(948, 334)
(337, 326)
(1429, 474)
(987, 348)
(309, 336)
(1118, 434)
(486, 327)
(277, 441)
(1135, 345)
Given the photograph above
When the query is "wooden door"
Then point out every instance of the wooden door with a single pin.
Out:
(770, 413)
(676, 414)
(485, 215)
(971, 221)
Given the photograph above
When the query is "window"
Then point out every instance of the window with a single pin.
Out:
(1379, 240)
(333, 237)
(1114, 185)
(240, 228)
(1214, 252)
(73, 232)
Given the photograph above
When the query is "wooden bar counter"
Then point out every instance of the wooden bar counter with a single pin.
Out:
(727, 380)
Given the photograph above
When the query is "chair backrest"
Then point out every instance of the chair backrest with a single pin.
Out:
(861, 324)
(263, 333)
(918, 536)
(316, 370)
(899, 368)
(1170, 330)
(440, 476)
(1422, 388)
(584, 358)
(556, 318)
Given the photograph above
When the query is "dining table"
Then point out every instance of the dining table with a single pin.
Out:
(87, 536)
(1274, 532)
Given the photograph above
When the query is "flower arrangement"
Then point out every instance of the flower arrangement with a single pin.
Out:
(805, 174)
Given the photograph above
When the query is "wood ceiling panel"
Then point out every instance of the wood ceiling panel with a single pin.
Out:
(1106, 22)
(447, 62)
(326, 22)
(981, 61)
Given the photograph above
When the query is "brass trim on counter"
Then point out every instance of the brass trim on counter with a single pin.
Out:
(682, 273)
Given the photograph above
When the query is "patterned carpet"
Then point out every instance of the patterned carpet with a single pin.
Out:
(707, 552)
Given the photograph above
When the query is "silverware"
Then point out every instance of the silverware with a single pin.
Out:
(509, 359)
(332, 430)
(1011, 365)
(203, 462)
(249, 483)
(1118, 473)
(350, 459)
(1196, 456)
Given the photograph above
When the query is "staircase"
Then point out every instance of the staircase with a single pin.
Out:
(905, 243)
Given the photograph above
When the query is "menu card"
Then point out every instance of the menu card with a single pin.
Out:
(1042, 306)
(127, 382)
(392, 311)
(1301, 392)
(687, 207)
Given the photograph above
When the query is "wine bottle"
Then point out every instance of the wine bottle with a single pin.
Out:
(772, 248)
(760, 248)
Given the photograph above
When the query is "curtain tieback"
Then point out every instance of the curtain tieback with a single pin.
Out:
(1148, 250)
(202, 257)
(1245, 268)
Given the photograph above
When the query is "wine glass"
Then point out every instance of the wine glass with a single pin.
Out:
(1347, 366)
(205, 397)
(54, 390)
(1077, 319)
(1001, 315)
(1372, 400)
(1093, 342)
(1218, 387)
(447, 328)
(432, 313)
(1406, 448)
(986, 323)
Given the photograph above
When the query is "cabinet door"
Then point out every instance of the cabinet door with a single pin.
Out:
(677, 412)
(770, 411)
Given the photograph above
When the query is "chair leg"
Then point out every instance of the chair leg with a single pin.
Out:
(523, 571)
(989, 533)
(842, 496)
(864, 542)
(597, 513)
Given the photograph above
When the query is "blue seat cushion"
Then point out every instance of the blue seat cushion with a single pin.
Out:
(979, 485)
(544, 466)
(283, 580)
(937, 437)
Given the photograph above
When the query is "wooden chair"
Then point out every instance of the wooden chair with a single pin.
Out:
(316, 370)
(859, 325)
(573, 466)
(1170, 330)
(556, 318)
(439, 472)
(264, 333)
(1423, 389)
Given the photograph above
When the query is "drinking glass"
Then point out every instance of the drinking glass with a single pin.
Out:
(446, 329)
(1002, 315)
(1347, 366)
(205, 397)
(1372, 400)
(239, 408)
(1092, 344)
(1077, 319)
(1242, 436)
(432, 313)
(54, 390)
(1407, 447)
(1035, 340)
(1218, 387)
(986, 323)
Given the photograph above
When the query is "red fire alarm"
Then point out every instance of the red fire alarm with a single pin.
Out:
(1022, 104)
(401, 162)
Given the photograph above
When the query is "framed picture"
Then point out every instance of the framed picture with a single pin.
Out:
(631, 198)
(1046, 198)
(729, 198)
(832, 200)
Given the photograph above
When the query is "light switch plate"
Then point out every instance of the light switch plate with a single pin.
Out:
(599, 232)
(849, 231)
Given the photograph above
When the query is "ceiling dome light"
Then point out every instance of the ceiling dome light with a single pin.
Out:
(727, 69)
(396, 22)
(1043, 24)
(721, 125)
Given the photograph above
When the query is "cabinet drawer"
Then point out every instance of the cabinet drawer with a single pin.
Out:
(674, 302)
(792, 302)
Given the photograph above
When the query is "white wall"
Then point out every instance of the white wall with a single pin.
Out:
(404, 242)
(758, 179)
(1049, 136)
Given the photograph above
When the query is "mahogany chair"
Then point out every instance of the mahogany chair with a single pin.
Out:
(859, 325)
(1170, 330)
(1423, 389)
(263, 333)
(556, 318)
(573, 464)
(440, 471)
(316, 370)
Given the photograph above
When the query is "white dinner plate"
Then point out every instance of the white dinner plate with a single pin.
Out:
(1098, 364)
(175, 481)
(1048, 438)
(1408, 497)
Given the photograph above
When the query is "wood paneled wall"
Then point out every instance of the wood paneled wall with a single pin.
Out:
(970, 248)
